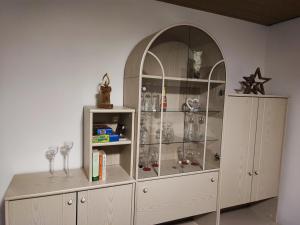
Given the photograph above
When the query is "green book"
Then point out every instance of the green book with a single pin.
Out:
(95, 165)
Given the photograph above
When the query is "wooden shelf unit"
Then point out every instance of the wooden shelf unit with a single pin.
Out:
(119, 153)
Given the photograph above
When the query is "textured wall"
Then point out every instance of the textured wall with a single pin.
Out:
(52, 54)
(283, 65)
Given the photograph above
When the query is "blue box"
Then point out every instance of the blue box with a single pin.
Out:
(108, 131)
(114, 137)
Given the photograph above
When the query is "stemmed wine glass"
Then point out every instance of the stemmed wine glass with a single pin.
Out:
(50, 155)
(65, 150)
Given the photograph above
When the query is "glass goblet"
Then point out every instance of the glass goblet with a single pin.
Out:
(65, 151)
(50, 155)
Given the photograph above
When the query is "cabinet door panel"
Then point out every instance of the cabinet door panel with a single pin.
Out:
(51, 210)
(174, 198)
(268, 147)
(105, 206)
(238, 150)
(82, 209)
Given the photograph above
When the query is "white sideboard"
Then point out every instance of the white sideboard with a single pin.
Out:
(252, 147)
(42, 199)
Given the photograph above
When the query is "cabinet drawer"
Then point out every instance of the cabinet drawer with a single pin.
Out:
(178, 197)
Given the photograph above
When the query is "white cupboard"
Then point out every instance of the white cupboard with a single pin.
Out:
(252, 148)
(49, 210)
(268, 147)
(40, 199)
(106, 206)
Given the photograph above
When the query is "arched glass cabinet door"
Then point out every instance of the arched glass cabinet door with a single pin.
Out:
(181, 65)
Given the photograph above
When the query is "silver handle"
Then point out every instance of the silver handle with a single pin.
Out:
(256, 172)
(83, 200)
(145, 190)
(212, 180)
(250, 173)
(70, 202)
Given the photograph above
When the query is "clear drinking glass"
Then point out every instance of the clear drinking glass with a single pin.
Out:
(142, 157)
(147, 161)
(168, 133)
(50, 155)
(65, 151)
(155, 102)
(144, 133)
(148, 101)
(195, 128)
(199, 132)
(189, 128)
(143, 98)
(180, 155)
(153, 150)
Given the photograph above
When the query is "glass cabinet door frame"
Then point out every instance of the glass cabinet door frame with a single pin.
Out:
(163, 77)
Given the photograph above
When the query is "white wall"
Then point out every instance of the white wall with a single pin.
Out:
(283, 65)
(53, 53)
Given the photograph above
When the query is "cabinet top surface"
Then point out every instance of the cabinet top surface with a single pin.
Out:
(258, 96)
(115, 109)
(42, 183)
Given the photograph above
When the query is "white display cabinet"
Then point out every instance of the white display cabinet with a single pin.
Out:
(181, 135)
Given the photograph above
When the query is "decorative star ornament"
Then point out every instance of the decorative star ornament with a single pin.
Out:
(259, 85)
(254, 83)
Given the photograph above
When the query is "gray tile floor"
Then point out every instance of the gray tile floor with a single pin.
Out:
(244, 216)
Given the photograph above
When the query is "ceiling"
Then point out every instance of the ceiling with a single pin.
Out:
(266, 12)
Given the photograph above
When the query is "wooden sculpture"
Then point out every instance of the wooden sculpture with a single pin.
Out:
(104, 93)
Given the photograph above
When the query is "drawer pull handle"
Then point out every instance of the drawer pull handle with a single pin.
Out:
(256, 173)
(70, 202)
(145, 190)
(212, 180)
(250, 174)
(83, 200)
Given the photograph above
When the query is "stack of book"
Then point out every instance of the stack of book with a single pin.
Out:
(99, 165)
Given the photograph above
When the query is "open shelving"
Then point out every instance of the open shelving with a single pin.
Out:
(119, 153)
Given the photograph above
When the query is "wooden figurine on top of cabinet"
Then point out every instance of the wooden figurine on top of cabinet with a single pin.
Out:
(104, 93)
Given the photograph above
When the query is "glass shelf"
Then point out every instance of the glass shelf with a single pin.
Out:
(181, 141)
(182, 111)
(170, 167)
(183, 68)
(170, 78)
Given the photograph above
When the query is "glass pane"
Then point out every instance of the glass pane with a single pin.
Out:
(171, 48)
(203, 54)
(219, 73)
(151, 67)
(183, 127)
(214, 128)
(173, 126)
(150, 120)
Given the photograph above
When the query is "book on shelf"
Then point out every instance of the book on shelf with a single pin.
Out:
(95, 165)
(102, 165)
(99, 165)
